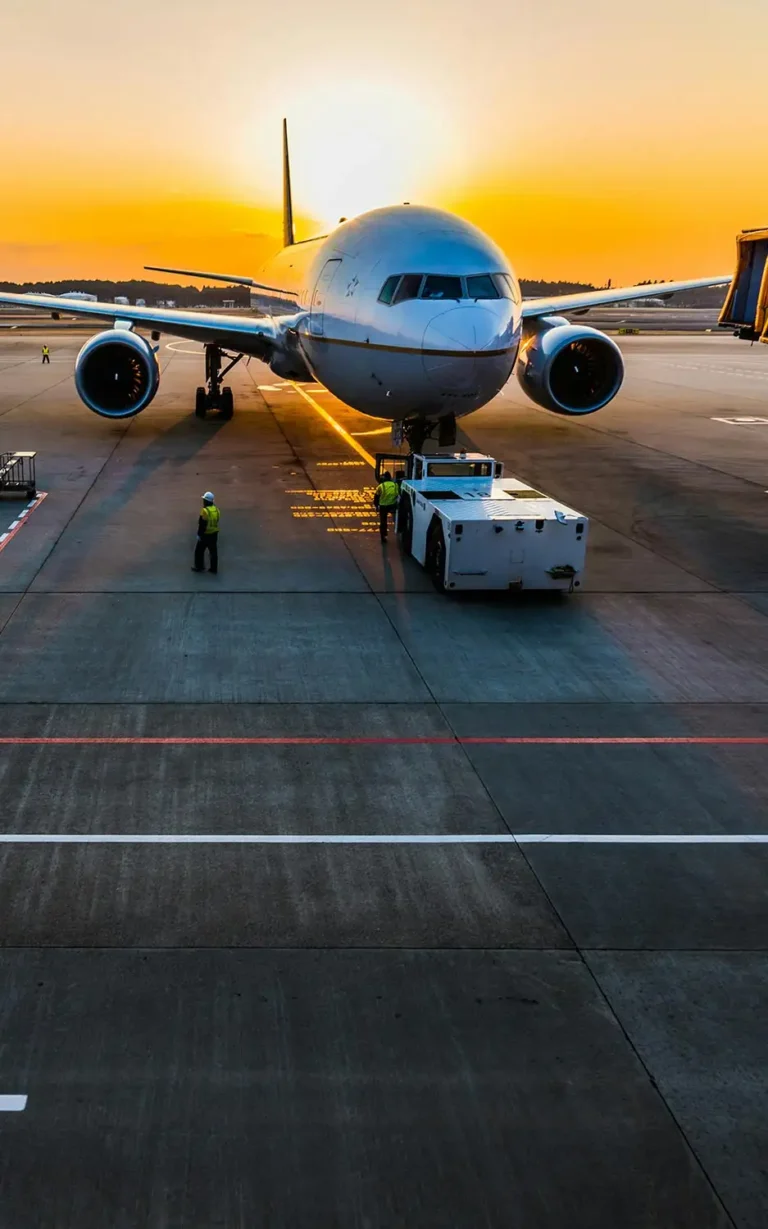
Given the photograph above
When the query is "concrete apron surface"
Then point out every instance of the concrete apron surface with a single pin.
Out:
(284, 1013)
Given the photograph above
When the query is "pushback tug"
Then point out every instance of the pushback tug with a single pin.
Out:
(471, 527)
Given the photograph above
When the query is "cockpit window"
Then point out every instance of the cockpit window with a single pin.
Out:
(410, 284)
(388, 289)
(437, 287)
(507, 287)
(482, 287)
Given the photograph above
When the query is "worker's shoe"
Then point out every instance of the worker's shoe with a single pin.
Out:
(213, 571)
(197, 569)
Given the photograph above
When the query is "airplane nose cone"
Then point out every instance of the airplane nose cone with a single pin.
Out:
(452, 344)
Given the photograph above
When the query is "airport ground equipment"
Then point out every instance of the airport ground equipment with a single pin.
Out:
(746, 305)
(17, 473)
(471, 527)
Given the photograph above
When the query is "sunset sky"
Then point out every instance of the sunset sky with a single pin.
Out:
(591, 140)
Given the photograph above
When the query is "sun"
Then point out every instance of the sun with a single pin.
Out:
(356, 146)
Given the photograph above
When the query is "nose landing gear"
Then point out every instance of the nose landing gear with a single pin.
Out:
(415, 431)
(214, 396)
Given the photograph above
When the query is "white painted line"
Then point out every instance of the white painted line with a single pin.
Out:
(12, 1104)
(348, 838)
(14, 524)
(743, 421)
(178, 348)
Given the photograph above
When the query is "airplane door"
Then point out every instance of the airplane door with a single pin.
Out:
(317, 307)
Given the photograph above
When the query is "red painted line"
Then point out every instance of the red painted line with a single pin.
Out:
(428, 740)
(660, 741)
(27, 512)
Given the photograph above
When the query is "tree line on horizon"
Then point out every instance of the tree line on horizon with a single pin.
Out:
(137, 288)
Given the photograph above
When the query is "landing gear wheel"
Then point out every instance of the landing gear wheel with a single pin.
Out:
(405, 524)
(214, 396)
(436, 558)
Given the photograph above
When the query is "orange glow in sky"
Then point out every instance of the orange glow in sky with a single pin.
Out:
(591, 141)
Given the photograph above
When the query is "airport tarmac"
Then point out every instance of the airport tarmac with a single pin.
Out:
(331, 973)
(669, 319)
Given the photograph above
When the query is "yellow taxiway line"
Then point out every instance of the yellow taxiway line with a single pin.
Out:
(336, 426)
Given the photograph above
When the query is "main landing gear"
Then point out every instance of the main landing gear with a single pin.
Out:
(416, 430)
(216, 397)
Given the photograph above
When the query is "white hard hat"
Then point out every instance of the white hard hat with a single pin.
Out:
(208, 495)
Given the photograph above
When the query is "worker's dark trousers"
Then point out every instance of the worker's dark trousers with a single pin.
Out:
(389, 510)
(209, 543)
(46, 358)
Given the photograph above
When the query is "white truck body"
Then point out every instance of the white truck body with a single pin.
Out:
(473, 528)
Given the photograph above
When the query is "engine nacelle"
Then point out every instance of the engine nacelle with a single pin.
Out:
(568, 368)
(116, 373)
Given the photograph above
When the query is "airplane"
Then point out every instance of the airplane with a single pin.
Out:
(405, 313)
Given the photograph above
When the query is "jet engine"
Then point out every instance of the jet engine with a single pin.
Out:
(568, 368)
(116, 373)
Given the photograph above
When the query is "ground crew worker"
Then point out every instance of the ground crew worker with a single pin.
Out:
(385, 500)
(207, 535)
(46, 355)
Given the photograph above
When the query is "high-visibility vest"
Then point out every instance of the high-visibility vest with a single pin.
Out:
(45, 349)
(388, 493)
(211, 514)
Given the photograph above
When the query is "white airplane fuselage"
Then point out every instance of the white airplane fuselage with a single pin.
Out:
(438, 347)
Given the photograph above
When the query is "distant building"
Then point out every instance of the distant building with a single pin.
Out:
(79, 294)
(159, 302)
(228, 303)
(170, 302)
(141, 302)
(650, 302)
(120, 298)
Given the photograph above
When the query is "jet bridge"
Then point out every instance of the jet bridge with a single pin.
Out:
(746, 306)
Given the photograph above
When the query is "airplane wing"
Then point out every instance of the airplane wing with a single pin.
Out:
(257, 335)
(618, 294)
(222, 277)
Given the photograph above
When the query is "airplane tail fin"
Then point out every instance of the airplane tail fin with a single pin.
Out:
(288, 238)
